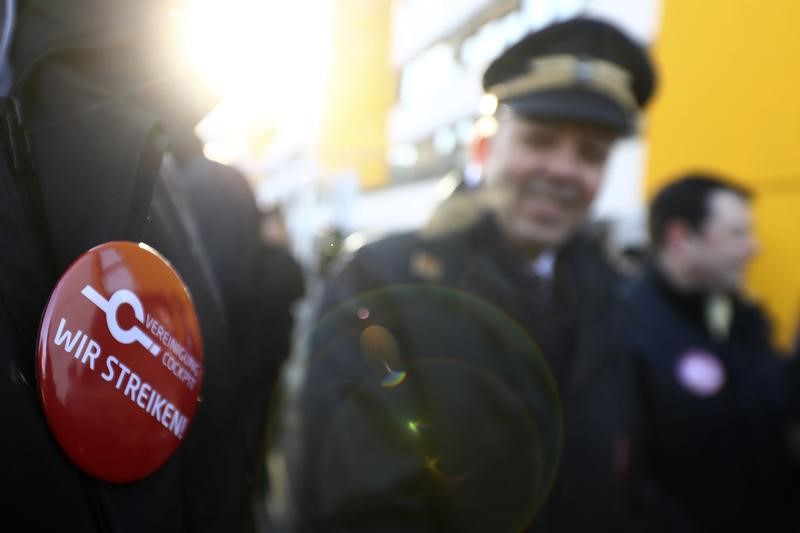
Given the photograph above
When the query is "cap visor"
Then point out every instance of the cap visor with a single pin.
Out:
(576, 105)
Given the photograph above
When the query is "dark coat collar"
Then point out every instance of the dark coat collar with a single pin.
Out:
(586, 289)
(691, 304)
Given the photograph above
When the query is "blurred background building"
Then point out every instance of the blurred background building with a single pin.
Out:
(350, 113)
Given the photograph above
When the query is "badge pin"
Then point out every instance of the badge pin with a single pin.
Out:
(700, 372)
(120, 361)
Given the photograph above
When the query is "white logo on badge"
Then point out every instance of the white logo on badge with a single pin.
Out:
(700, 372)
(110, 307)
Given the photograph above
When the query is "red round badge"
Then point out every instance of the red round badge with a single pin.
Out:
(120, 361)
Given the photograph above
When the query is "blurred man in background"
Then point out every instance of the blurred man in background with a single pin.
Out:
(468, 381)
(709, 393)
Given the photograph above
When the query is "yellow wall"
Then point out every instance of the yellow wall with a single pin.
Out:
(729, 101)
(360, 91)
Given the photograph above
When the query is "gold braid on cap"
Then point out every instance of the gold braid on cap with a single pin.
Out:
(564, 70)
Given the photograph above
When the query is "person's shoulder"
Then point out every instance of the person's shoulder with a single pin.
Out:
(384, 260)
(385, 251)
(412, 256)
(753, 316)
(751, 308)
(378, 264)
(394, 244)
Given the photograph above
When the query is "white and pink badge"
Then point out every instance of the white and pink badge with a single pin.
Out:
(700, 372)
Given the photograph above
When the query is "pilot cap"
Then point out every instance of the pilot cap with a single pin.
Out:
(581, 70)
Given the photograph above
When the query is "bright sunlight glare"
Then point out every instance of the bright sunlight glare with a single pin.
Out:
(268, 58)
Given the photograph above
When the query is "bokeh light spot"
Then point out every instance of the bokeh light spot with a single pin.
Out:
(393, 378)
(379, 347)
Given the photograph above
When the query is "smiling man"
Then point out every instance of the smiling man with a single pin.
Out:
(544, 176)
(468, 381)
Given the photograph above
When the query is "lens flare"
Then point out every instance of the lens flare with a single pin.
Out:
(492, 431)
(432, 465)
(379, 347)
(393, 378)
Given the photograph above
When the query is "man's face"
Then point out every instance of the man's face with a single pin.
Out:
(544, 175)
(723, 247)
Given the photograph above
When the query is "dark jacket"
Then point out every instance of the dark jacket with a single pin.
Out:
(259, 284)
(100, 176)
(708, 444)
(448, 388)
